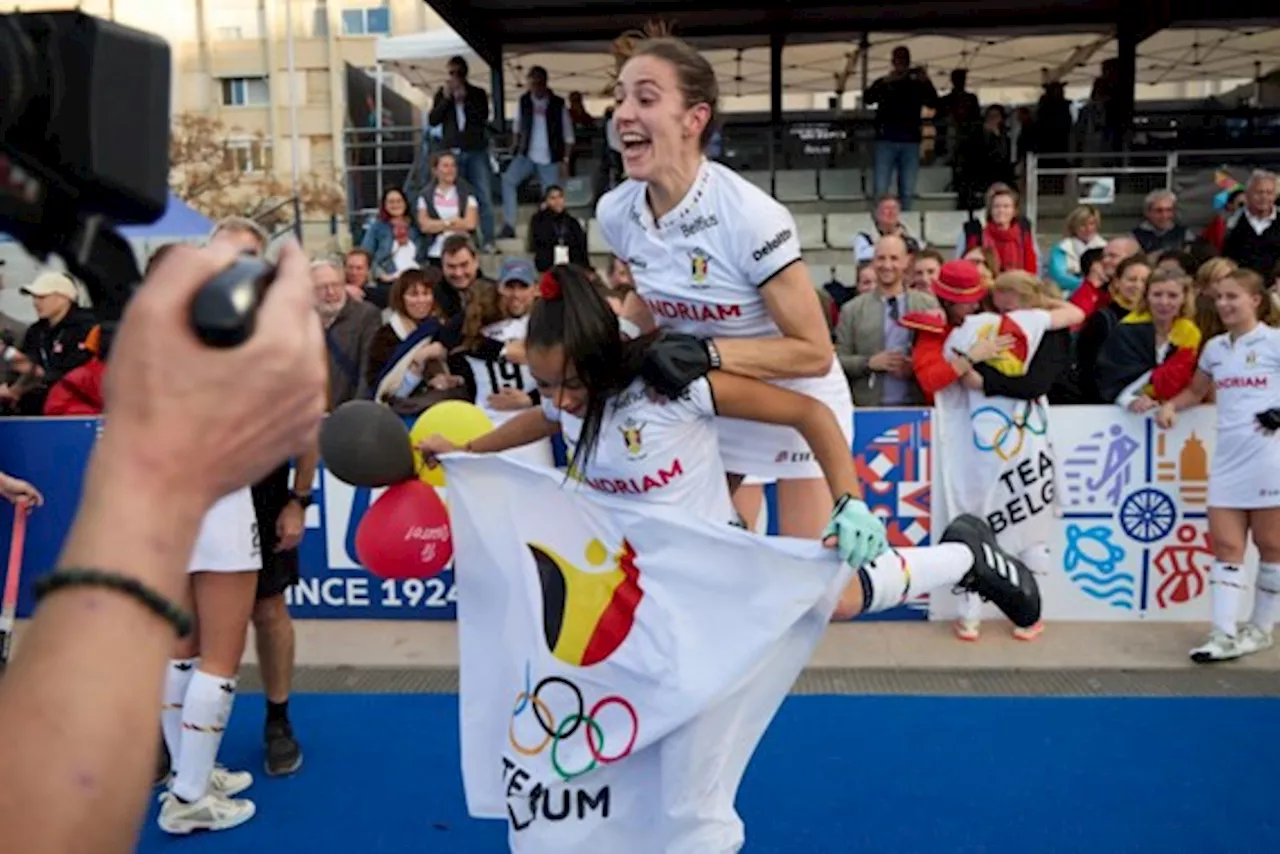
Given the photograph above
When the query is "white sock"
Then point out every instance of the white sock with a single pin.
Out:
(970, 610)
(1266, 592)
(177, 678)
(898, 575)
(205, 712)
(1226, 582)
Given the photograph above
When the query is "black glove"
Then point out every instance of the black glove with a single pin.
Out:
(675, 360)
(1269, 420)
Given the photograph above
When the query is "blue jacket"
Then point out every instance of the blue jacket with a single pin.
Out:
(380, 242)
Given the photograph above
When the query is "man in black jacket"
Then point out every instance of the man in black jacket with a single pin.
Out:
(555, 235)
(899, 98)
(1253, 234)
(544, 139)
(462, 111)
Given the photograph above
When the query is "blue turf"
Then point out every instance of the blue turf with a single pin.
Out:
(884, 775)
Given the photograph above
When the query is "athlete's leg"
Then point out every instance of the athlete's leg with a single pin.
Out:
(223, 603)
(177, 678)
(1264, 526)
(748, 499)
(1228, 532)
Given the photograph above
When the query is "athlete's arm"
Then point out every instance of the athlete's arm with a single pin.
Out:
(1064, 314)
(526, 428)
(753, 400)
(634, 310)
(805, 350)
(1192, 395)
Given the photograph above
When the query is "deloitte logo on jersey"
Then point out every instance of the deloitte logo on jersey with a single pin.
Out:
(698, 225)
(778, 239)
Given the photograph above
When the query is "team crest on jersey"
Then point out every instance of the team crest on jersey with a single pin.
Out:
(633, 437)
(1251, 358)
(699, 267)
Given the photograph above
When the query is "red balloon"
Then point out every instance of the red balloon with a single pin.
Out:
(405, 534)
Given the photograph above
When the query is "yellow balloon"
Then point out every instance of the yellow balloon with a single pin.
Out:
(455, 420)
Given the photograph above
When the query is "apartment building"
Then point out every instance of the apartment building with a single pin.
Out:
(231, 60)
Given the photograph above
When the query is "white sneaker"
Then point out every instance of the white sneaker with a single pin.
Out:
(212, 812)
(1219, 647)
(967, 630)
(1253, 639)
(224, 782)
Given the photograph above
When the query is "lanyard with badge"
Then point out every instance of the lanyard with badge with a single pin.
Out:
(561, 252)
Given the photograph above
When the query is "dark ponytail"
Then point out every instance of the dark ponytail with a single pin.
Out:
(572, 313)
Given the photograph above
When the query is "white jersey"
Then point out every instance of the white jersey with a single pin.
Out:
(494, 374)
(700, 270)
(659, 452)
(1245, 472)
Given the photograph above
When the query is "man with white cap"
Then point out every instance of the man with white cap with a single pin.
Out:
(55, 343)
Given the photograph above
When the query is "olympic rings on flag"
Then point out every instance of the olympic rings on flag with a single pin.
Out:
(557, 730)
(1008, 439)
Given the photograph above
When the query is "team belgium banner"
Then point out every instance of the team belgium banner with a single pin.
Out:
(618, 661)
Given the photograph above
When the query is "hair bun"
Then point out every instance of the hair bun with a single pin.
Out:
(624, 46)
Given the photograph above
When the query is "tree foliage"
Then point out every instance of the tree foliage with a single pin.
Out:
(221, 171)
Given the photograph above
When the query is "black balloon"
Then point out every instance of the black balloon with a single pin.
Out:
(366, 444)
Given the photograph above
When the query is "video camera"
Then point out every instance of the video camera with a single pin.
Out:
(84, 143)
(84, 147)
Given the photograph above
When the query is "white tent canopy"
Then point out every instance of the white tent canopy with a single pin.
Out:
(1179, 63)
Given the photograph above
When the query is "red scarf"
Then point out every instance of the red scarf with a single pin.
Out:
(1013, 246)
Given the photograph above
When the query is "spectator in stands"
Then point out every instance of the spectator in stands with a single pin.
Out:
(393, 238)
(79, 392)
(1177, 261)
(900, 98)
(873, 346)
(455, 290)
(462, 110)
(1151, 355)
(1160, 229)
(357, 266)
(11, 332)
(865, 281)
(887, 219)
(989, 160)
(412, 303)
(1080, 235)
(1206, 316)
(1053, 122)
(1225, 205)
(555, 235)
(544, 138)
(925, 269)
(584, 128)
(1093, 293)
(446, 207)
(987, 262)
(1010, 236)
(1125, 290)
(609, 173)
(1253, 237)
(349, 327)
(958, 117)
(55, 344)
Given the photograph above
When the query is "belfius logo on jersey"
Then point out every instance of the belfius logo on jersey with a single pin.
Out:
(587, 615)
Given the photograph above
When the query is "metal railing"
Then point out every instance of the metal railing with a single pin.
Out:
(1120, 181)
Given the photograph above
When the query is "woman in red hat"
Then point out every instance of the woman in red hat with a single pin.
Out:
(987, 373)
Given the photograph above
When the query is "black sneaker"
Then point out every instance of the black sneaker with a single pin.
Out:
(997, 576)
(284, 754)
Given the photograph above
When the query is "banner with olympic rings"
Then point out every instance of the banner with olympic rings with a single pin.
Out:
(613, 651)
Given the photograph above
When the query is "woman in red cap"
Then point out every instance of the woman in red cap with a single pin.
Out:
(987, 374)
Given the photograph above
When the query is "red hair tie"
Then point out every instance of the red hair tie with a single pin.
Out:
(549, 286)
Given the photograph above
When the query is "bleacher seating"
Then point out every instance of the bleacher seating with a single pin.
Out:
(841, 185)
(811, 232)
(796, 186)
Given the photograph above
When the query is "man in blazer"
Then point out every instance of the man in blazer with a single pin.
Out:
(873, 346)
(462, 112)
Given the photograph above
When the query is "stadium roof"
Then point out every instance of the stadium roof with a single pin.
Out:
(492, 26)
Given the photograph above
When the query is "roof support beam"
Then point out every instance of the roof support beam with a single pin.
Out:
(1078, 58)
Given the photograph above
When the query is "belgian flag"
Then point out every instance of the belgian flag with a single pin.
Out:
(587, 615)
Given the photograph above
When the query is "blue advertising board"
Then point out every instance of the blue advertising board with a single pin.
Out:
(891, 449)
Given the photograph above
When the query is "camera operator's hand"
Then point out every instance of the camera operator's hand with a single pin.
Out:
(201, 422)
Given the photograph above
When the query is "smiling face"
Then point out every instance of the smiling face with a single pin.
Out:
(1237, 307)
(658, 125)
(1165, 299)
(557, 379)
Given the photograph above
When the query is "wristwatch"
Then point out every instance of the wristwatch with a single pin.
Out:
(304, 501)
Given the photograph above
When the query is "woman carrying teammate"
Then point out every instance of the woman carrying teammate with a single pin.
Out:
(627, 442)
(717, 261)
(1242, 367)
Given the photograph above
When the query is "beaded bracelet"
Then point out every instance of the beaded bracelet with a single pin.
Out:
(151, 600)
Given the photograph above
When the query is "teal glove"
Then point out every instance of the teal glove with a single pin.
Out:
(860, 535)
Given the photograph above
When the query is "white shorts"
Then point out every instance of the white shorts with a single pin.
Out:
(228, 539)
(771, 452)
(1245, 471)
